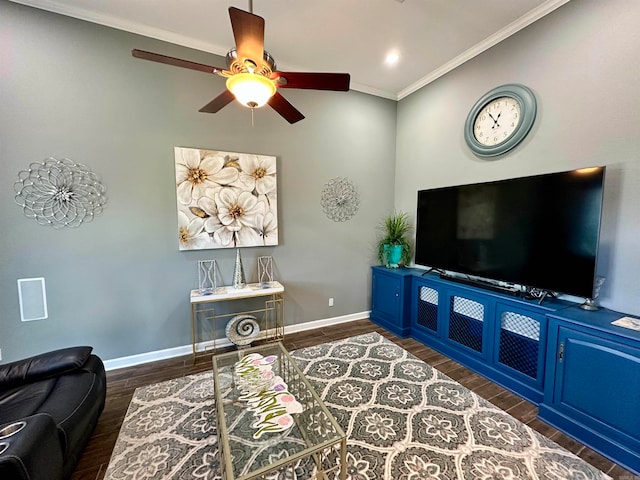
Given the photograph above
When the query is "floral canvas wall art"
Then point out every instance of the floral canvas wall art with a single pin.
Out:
(225, 199)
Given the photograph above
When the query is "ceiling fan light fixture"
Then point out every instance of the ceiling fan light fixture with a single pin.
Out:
(250, 89)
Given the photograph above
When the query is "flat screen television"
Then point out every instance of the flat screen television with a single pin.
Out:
(539, 232)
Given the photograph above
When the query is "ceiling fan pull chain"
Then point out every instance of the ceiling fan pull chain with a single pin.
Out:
(252, 117)
(250, 6)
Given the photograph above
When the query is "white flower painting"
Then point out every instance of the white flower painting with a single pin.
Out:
(225, 199)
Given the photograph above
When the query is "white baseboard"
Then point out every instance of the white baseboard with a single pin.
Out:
(301, 327)
(141, 358)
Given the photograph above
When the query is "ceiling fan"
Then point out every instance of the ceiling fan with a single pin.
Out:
(252, 77)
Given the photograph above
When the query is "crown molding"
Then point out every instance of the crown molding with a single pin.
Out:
(514, 27)
(125, 25)
(189, 42)
(376, 92)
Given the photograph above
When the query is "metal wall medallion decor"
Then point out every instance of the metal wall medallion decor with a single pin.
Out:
(340, 199)
(60, 193)
(225, 199)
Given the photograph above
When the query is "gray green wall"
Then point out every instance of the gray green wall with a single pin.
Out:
(582, 63)
(72, 89)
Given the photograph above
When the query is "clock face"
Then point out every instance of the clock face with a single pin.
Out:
(497, 121)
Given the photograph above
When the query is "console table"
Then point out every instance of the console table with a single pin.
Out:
(580, 369)
(500, 336)
(208, 310)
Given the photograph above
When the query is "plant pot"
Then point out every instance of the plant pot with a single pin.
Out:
(393, 254)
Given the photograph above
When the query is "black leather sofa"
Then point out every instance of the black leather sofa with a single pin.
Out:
(49, 406)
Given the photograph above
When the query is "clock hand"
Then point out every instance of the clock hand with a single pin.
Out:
(495, 120)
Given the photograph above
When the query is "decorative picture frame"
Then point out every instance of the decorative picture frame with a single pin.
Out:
(225, 199)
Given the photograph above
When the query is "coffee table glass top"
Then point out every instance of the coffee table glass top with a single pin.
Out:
(269, 416)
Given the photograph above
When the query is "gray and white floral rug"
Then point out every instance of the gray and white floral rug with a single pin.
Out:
(404, 421)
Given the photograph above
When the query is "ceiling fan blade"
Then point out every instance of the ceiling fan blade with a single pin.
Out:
(177, 62)
(314, 81)
(215, 105)
(248, 32)
(285, 109)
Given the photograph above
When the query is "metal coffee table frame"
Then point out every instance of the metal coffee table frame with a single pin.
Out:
(316, 430)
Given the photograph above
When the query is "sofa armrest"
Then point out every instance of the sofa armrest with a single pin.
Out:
(44, 365)
(33, 452)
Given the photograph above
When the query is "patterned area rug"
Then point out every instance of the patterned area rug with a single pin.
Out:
(404, 420)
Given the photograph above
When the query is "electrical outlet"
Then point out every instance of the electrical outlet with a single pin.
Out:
(331, 302)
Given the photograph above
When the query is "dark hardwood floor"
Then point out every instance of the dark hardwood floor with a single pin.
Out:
(122, 383)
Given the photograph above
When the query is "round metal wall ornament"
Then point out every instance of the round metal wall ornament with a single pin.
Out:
(60, 193)
(340, 199)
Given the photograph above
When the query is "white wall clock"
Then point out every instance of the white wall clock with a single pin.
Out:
(500, 120)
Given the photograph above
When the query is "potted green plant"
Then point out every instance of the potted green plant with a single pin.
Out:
(393, 246)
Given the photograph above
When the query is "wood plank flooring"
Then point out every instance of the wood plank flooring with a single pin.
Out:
(122, 383)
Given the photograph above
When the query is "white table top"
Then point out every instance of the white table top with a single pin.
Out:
(230, 293)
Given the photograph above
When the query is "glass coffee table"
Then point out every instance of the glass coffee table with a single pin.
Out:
(256, 436)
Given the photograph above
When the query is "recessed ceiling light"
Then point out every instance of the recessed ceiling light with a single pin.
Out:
(392, 58)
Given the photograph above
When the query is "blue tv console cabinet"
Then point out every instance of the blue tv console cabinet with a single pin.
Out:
(581, 371)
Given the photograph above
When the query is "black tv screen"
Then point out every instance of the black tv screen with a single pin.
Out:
(539, 231)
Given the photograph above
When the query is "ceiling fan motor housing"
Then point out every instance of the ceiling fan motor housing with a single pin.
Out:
(237, 66)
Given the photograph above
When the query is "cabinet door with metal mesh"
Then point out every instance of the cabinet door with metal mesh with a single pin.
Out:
(466, 322)
(427, 315)
(519, 342)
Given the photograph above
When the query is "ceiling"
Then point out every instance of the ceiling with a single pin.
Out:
(430, 37)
